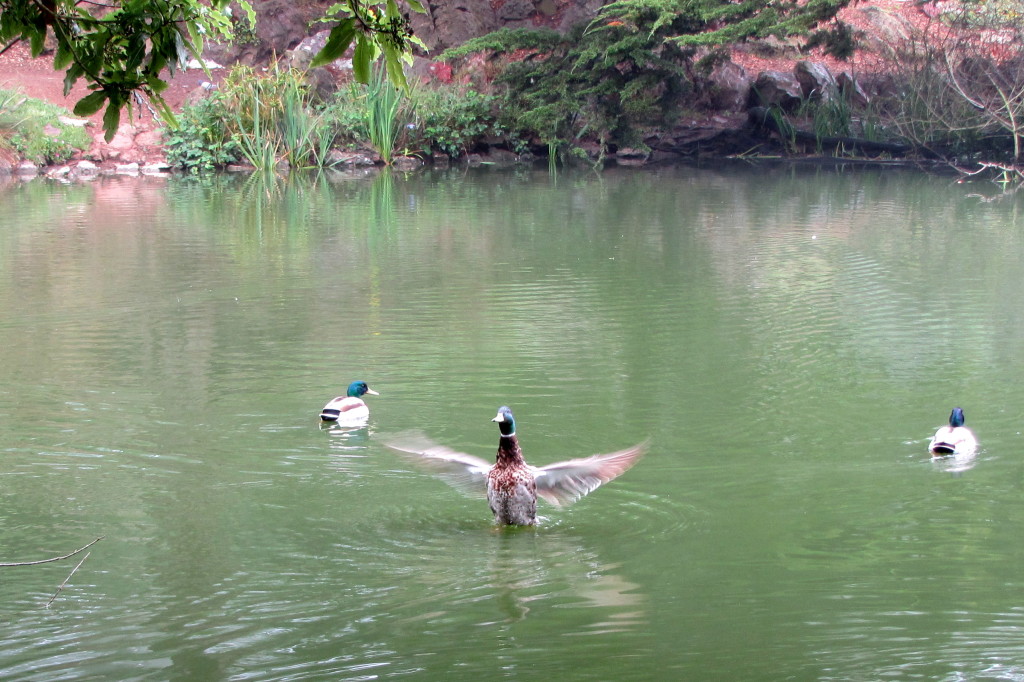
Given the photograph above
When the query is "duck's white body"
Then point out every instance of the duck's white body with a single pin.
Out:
(348, 410)
(953, 439)
(345, 410)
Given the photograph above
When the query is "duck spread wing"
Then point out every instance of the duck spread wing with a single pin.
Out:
(462, 471)
(565, 482)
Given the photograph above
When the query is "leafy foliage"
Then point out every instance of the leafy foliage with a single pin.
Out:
(603, 82)
(451, 120)
(377, 30)
(266, 118)
(33, 129)
(201, 142)
(719, 22)
(123, 49)
(120, 51)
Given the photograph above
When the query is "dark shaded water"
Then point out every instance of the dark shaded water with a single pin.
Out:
(789, 340)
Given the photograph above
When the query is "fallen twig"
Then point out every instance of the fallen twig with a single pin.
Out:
(58, 558)
(67, 579)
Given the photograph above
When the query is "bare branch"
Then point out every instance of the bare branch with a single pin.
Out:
(67, 579)
(58, 558)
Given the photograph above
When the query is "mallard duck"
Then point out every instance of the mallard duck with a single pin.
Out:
(955, 439)
(349, 407)
(512, 485)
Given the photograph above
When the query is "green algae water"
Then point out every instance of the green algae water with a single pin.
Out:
(788, 339)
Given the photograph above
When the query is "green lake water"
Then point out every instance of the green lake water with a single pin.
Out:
(787, 338)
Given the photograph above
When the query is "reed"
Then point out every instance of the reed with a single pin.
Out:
(381, 117)
(275, 122)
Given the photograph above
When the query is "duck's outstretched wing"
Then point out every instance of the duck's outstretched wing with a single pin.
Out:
(565, 482)
(462, 471)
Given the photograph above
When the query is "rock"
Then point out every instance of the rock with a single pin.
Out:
(729, 87)
(27, 168)
(627, 156)
(515, 10)
(152, 137)
(816, 81)
(888, 34)
(199, 93)
(775, 88)
(407, 163)
(327, 79)
(127, 169)
(452, 23)
(122, 141)
(502, 158)
(155, 168)
(280, 26)
(75, 122)
(337, 157)
(209, 63)
(575, 13)
(85, 170)
(851, 89)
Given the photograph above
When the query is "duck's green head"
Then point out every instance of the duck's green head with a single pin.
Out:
(506, 422)
(357, 389)
(956, 417)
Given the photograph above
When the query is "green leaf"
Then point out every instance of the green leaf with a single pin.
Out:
(415, 6)
(90, 104)
(337, 43)
(36, 40)
(393, 61)
(111, 119)
(73, 74)
(361, 59)
(157, 85)
(63, 57)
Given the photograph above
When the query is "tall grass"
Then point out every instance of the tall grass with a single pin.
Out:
(381, 117)
(273, 118)
(12, 111)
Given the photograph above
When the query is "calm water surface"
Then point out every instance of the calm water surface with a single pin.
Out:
(788, 339)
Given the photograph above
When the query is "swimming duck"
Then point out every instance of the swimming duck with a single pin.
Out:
(955, 439)
(512, 485)
(350, 407)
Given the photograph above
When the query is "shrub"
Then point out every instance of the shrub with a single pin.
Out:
(452, 120)
(202, 141)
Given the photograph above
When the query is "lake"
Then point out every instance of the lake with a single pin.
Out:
(788, 338)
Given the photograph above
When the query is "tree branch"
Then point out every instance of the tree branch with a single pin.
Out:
(59, 558)
(67, 579)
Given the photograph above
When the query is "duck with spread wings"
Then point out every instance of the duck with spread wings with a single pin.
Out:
(512, 485)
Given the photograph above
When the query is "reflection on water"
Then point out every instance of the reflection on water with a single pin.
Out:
(786, 337)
